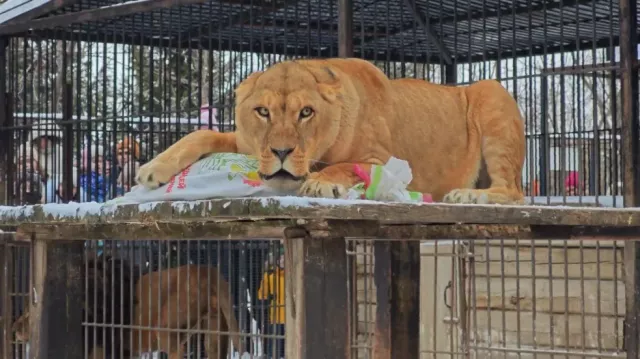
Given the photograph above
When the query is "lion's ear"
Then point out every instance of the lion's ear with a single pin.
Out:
(243, 90)
(329, 84)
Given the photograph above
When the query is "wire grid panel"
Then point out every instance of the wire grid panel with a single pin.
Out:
(202, 299)
(172, 299)
(363, 297)
(541, 299)
(507, 299)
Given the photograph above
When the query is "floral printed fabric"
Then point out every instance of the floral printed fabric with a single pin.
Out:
(224, 175)
(216, 176)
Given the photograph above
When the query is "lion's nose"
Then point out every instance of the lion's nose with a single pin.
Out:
(282, 153)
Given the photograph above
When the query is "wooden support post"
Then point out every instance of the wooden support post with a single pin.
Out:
(317, 296)
(55, 308)
(397, 280)
(630, 168)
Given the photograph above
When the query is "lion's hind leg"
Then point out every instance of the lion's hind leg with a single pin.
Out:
(504, 176)
(495, 115)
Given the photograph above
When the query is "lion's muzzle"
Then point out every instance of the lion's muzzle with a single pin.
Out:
(283, 167)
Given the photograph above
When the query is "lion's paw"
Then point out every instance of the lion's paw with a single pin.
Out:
(322, 189)
(155, 174)
(466, 196)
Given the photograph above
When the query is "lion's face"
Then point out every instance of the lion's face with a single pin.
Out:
(289, 116)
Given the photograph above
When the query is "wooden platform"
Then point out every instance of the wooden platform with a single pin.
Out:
(317, 276)
(267, 217)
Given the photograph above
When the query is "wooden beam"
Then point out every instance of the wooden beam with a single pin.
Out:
(55, 313)
(167, 230)
(317, 295)
(397, 280)
(630, 168)
(284, 208)
(239, 230)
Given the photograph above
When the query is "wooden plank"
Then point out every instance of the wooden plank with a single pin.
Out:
(55, 314)
(159, 230)
(145, 226)
(397, 281)
(557, 218)
(317, 303)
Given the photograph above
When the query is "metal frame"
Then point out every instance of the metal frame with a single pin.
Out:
(20, 26)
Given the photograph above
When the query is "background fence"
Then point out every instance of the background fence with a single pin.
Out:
(149, 73)
(94, 89)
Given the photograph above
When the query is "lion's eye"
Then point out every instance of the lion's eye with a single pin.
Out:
(306, 112)
(262, 111)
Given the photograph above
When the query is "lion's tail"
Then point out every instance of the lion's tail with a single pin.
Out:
(226, 307)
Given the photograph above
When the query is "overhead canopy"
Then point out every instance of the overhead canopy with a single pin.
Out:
(399, 30)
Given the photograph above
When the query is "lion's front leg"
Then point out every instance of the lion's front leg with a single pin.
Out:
(183, 153)
(333, 181)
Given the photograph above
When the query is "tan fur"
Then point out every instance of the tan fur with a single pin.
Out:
(362, 117)
(182, 298)
(21, 327)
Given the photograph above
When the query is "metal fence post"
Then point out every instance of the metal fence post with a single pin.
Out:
(67, 142)
(345, 28)
(5, 299)
(631, 168)
(5, 160)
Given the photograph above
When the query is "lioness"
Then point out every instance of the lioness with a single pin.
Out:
(464, 144)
